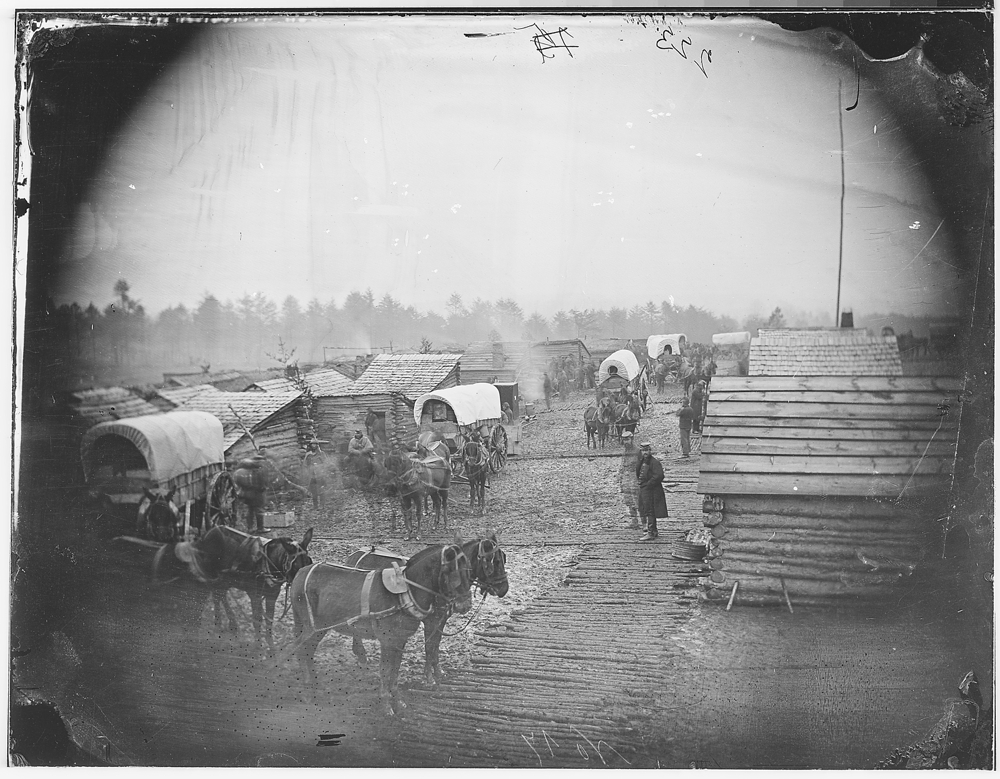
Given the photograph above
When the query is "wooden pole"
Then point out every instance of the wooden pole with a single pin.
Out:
(840, 260)
(732, 595)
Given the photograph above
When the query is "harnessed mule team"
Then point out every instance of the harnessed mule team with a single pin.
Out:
(376, 594)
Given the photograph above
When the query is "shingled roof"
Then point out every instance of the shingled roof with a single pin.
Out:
(411, 375)
(253, 408)
(325, 381)
(169, 398)
(100, 405)
(227, 381)
(824, 352)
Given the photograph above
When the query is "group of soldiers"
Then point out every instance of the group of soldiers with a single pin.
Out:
(566, 373)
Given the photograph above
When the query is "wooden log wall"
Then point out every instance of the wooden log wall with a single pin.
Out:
(824, 550)
(280, 434)
(338, 416)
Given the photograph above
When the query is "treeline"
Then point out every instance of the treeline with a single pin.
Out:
(247, 333)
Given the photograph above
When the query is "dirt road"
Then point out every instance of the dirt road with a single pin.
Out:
(600, 655)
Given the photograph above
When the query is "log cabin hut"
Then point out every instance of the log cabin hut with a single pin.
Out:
(486, 361)
(321, 381)
(276, 420)
(389, 387)
(602, 348)
(530, 376)
(823, 471)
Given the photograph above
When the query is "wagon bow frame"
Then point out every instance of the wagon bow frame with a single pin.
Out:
(182, 451)
(456, 413)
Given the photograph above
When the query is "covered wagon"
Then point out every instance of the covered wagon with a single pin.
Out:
(179, 453)
(621, 374)
(673, 344)
(456, 414)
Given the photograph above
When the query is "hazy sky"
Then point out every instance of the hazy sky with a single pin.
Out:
(315, 157)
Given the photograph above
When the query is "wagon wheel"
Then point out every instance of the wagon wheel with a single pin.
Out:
(220, 504)
(498, 449)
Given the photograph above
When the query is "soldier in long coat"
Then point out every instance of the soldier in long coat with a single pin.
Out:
(652, 501)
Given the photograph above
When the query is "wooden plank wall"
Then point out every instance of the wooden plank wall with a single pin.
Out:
(846, 436)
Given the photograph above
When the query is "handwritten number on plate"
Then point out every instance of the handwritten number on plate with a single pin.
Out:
(701, 61)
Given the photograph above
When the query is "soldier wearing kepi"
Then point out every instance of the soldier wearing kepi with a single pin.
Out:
(652, 501)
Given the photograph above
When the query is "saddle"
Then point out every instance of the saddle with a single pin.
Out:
(394, 580)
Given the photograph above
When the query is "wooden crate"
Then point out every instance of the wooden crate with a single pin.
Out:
(279, 518)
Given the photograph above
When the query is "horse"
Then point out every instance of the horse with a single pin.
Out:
(477, 470)
(400, 475)
(386, 607)
(627, 417)
(597, 420)
(226, 558)
(159, 518)
(487, 565)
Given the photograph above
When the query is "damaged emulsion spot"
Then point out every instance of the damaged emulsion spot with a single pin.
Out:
(21, 207)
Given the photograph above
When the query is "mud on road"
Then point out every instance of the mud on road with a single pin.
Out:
(601, 654)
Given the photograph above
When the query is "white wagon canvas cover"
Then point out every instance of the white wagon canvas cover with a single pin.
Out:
(731, 339)
(624, 361)
(657, 344)
(474, 404)
(182, 449)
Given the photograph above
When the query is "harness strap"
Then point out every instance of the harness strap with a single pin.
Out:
(366, 594)
(365, 604)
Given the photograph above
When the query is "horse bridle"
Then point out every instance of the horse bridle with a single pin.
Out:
(481, 455)
(275, 576)
(486, 582)
(438, 595)
(486, 586)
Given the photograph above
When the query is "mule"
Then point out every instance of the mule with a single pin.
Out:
(477, 470)
(627, 417)
(487, 565)
(158, 518)
(226, 558)
(597, 421)
(261, 576)
(401, 477)
(387, 607)
(434, 472)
